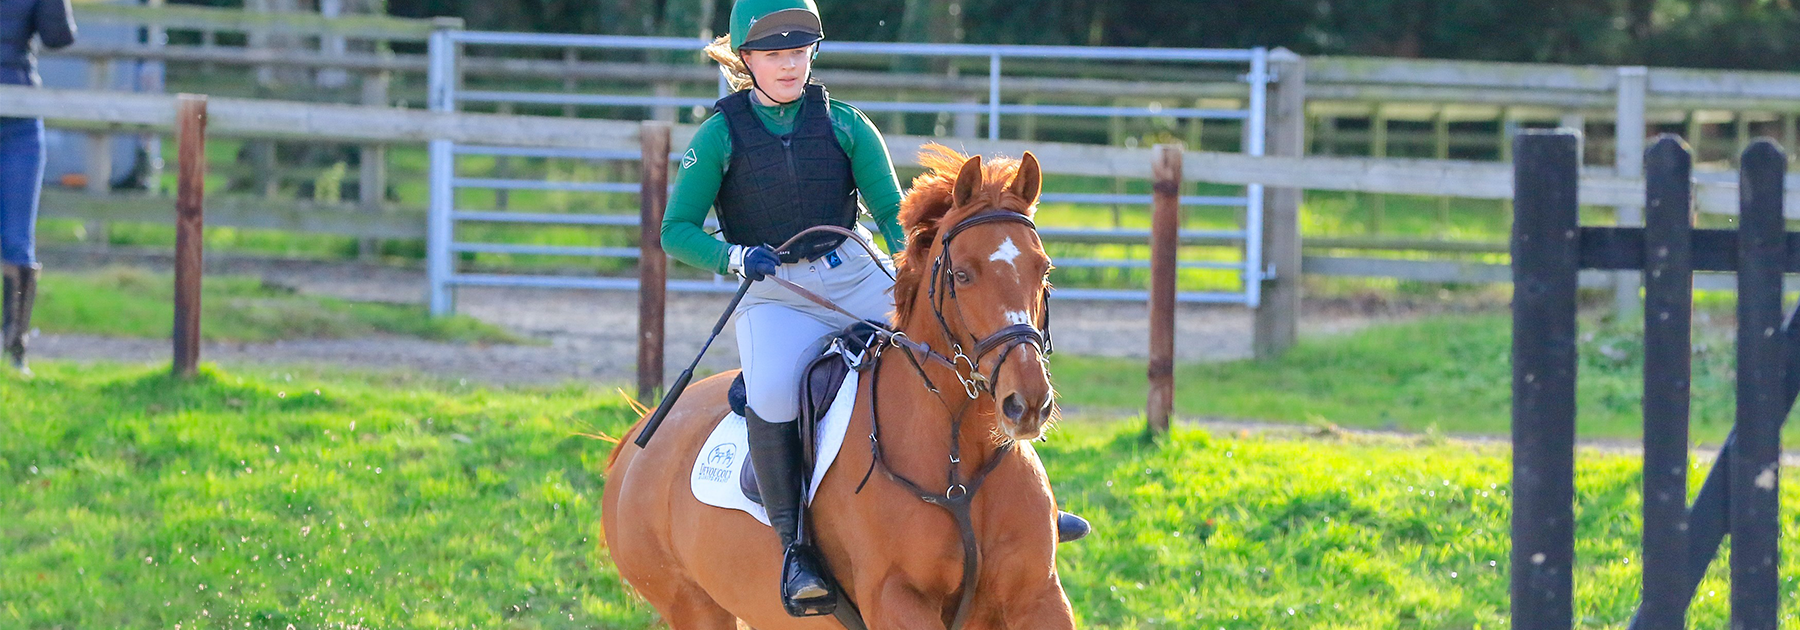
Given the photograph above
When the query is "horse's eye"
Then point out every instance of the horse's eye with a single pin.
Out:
(962, 277)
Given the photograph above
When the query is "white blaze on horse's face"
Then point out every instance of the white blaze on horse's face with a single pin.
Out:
(1007, 253)
(1018, 317)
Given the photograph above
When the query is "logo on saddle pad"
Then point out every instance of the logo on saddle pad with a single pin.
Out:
(720, 460)
(717, 465)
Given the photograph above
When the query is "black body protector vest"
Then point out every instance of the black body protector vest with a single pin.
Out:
(776, 186)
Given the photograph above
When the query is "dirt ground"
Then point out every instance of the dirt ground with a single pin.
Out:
(591, 335)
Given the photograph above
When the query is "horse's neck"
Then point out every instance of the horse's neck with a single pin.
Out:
(916, 424)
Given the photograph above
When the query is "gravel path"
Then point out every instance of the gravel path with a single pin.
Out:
(591, 335)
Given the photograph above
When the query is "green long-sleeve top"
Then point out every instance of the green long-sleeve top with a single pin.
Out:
(703, 168)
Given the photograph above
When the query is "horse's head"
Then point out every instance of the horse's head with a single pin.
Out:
(974, 280)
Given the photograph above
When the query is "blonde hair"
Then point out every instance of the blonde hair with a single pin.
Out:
(730, 64)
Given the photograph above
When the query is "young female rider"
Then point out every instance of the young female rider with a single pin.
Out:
(780, 158)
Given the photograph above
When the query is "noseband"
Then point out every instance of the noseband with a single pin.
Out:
(1005, 339)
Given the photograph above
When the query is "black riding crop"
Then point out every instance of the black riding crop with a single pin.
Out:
(681, 382)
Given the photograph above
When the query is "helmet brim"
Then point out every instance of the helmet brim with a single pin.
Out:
(784, 29)
(784, 41)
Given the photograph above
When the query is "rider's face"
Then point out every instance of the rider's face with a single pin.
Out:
(780, 74)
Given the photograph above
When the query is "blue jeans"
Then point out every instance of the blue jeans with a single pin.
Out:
(21, 175)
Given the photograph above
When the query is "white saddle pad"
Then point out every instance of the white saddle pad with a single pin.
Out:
(715, 478)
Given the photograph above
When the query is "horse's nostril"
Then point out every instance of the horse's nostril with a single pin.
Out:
(1012, 407)
(1044, 411)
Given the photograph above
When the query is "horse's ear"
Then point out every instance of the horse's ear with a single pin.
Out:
(1029, 183)
(967, 182)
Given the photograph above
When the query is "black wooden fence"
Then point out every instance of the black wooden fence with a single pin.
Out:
(1550, 248)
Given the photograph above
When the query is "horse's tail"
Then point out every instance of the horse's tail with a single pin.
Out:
(620, 445)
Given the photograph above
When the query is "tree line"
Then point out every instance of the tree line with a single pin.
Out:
(1740, 34)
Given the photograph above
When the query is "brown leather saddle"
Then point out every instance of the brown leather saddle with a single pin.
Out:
(834, 357)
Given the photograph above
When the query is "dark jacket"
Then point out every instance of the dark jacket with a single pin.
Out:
(50, 20)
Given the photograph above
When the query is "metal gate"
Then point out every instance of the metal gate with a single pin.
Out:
(447, 215)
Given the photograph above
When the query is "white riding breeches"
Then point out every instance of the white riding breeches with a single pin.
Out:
(776, 327)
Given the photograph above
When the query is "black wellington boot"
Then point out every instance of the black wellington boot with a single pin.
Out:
(18, 293)
(775, 452)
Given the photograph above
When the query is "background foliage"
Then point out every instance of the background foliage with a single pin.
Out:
(1745, 34)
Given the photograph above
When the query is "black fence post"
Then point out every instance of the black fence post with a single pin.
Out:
(1546, 262)
(1755, 466)
(1707, 517)
(1668, 315)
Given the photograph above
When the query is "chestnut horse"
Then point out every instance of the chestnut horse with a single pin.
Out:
(971, 286)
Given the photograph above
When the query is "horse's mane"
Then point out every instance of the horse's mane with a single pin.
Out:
(928, 205)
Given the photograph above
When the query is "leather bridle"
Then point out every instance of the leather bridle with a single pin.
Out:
(1006, 339)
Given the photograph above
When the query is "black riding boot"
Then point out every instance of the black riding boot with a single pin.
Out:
(18, 293)
(775, 452)
(1070, 528)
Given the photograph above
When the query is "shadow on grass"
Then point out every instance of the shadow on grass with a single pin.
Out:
(209, 390)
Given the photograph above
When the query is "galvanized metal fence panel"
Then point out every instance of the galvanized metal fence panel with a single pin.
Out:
(447, 54)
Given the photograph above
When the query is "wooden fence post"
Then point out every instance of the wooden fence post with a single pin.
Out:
(1628, 161)
(653, 265)
(1546, 265)
(190, 116)
(1668, 277)
(1755, 464)
(371, 182)
(1165, 228)
(99, 167)
(1278, 313)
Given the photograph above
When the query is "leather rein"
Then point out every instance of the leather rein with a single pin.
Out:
(958, 496)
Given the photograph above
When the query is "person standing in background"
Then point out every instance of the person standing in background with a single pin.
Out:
(22, 163)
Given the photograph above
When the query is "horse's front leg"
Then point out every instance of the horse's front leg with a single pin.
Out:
(898, 605)
(1045, 609)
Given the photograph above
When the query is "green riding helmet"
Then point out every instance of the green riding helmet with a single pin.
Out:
(775, 24)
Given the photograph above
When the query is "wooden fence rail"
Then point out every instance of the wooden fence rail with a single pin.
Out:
(314, 24)
(316, 121)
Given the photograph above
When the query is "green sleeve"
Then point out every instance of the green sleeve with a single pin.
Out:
(874, 172)
(697, 180)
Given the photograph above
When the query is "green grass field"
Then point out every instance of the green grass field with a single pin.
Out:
(1449, 374)
(130, 302)
(268, 498)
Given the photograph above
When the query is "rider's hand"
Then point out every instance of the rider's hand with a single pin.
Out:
(753, 263)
